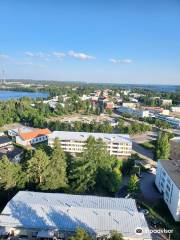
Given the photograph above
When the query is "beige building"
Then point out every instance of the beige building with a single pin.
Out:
(175, 148)
(166, 102)
(129, 104)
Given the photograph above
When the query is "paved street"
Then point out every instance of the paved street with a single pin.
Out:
(148, 188)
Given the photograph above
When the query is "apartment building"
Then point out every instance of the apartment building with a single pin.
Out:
(129, 104)
(175, 122)
(75, 142)
(37, 215)
(32, 137)
(136, 112)
(175, 109)
(175, 148)
(168, 183)
(166, 102)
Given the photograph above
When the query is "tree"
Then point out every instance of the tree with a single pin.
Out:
(162, 146)
(128, 165)
(56, 170)
(11, 175)
(133, 185)
(116, 236)
(94, 169)
(80, 235)
(37, 168)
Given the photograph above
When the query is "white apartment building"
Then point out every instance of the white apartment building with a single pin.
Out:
(168, 182)
(175, 109)
(136, 112)
(75, 142)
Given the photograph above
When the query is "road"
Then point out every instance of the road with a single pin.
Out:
(148, 188)
(176, 132)
(143, 151)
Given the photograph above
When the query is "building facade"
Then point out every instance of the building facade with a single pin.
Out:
(175, 148)
(168, 183)
(75, 142)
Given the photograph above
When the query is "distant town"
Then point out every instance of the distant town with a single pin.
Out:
(110, 152)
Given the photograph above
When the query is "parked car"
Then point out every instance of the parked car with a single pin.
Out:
(144, 211)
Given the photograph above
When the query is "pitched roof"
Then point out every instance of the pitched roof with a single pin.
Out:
(34, 133)
(98, 215)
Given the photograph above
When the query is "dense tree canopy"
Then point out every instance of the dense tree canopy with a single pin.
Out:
(162, 146)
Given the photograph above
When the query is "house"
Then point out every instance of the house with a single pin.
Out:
(15, 132)
(5, 141)
(13, 153)
(48, 215)
(175, 148)
(168, 183)
(33, 137)
(75, 142)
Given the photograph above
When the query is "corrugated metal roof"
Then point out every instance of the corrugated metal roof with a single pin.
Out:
(98, 215)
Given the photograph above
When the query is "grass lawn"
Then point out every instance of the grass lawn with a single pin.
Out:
(149, 145)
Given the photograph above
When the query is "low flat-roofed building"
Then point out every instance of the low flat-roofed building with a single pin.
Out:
(129, 104)
(175, 122)
(136, 112)
(43, 215)
(168, 183)
(175, 148)
(75, 142)
(175, 109)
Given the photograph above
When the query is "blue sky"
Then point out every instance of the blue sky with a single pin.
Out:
(121, 41)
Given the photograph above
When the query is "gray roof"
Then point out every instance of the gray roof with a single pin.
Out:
(83, 136)
(172, 167)
(98, 215)
(4, 139)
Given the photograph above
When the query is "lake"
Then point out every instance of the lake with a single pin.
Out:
(6, 95)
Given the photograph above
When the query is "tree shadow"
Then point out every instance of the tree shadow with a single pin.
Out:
(65, 222)
(27, 216)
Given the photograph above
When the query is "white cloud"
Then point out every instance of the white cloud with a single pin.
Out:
(36, 54)
(79, 55)
(4, 56)
(123, 61)
(59, 54)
